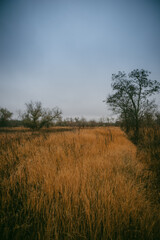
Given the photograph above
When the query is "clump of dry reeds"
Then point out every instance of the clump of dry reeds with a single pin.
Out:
(84, 184)
(149, 150)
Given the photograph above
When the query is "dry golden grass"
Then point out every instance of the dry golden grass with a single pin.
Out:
(82, 184)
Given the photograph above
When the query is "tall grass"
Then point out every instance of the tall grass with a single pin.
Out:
(84, 184)
(149, 149)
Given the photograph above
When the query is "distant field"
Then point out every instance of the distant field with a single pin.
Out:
(77, 184)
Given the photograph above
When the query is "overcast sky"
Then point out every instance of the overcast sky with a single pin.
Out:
(63, 52)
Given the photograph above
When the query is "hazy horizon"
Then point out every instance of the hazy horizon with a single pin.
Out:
(63, 52)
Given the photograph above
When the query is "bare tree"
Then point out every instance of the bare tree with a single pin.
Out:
(36, 117)
(131, 97)
(49, 116)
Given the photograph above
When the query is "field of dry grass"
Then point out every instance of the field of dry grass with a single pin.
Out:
(82, 184)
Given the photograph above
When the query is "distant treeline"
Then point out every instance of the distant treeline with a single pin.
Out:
(131, 100)
(67, 122)
(36, 118)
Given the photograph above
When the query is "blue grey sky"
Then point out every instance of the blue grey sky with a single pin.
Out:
(63, 52)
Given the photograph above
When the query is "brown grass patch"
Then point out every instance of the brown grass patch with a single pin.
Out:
(84, 184)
